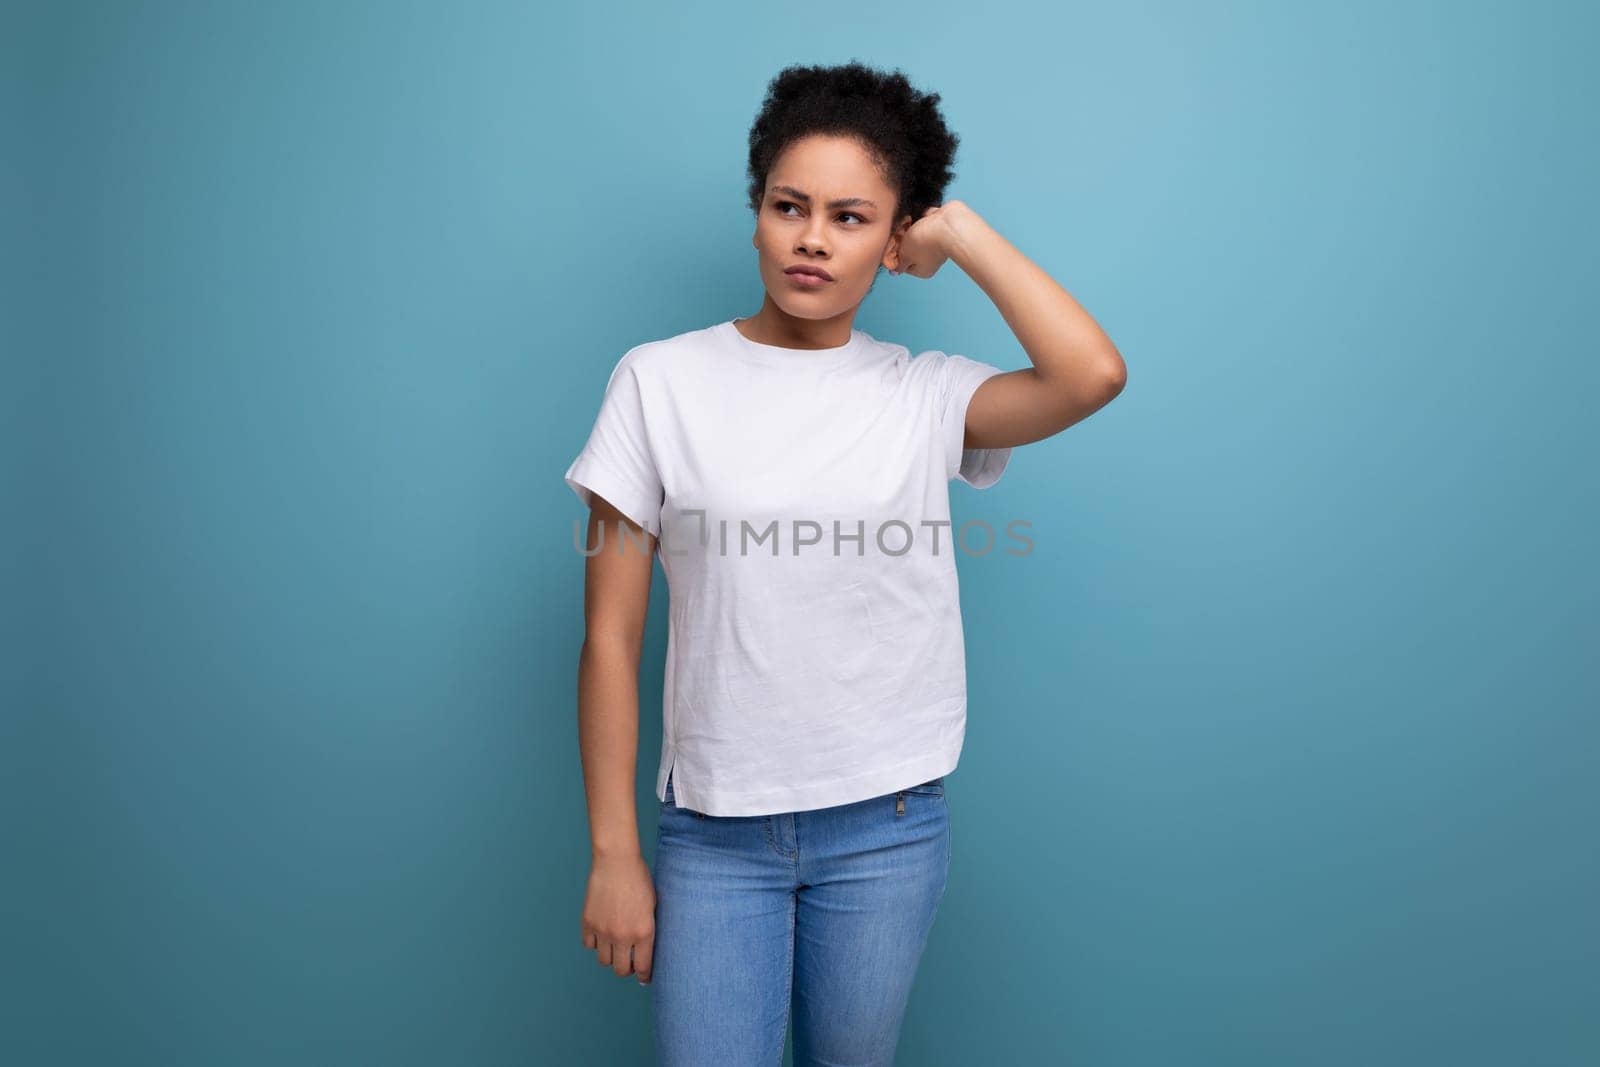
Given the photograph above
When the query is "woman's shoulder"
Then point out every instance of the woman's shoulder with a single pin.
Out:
(663, 354)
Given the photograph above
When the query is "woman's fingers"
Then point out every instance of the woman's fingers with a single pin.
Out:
(636, 958)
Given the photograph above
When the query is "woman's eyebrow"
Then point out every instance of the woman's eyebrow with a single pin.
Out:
(805, 198)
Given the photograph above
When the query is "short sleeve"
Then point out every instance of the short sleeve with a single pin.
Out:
(959, 378)
(616, 462)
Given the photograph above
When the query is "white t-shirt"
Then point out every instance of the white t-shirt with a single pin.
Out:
(815, 653)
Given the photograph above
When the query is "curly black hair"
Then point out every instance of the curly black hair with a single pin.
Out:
(900, 126)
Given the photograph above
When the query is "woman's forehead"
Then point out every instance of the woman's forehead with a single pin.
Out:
(834, 170)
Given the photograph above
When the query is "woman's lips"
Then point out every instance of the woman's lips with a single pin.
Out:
(806, 281)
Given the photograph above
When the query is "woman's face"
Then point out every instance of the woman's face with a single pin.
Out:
(826, 207)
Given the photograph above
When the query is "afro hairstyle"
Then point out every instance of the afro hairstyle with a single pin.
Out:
(898, 125)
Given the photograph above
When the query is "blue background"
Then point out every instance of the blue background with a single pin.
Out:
(1282, 741)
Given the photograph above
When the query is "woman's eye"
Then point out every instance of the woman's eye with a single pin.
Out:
(783, 204)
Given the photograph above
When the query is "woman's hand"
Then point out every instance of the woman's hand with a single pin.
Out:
(619, 915)
(925, 245)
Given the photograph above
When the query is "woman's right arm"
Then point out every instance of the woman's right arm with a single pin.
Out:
(619, 904)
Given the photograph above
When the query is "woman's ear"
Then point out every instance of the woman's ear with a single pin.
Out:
(891, 252)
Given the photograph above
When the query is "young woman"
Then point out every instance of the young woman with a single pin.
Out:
(792, 474)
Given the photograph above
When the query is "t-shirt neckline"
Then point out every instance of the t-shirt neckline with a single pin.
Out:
(779, 356)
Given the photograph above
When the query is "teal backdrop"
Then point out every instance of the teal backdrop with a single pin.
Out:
(1282, 740)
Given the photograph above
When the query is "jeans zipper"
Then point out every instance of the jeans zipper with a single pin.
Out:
(900, 803)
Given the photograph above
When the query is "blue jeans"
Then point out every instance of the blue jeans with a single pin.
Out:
(826, 910)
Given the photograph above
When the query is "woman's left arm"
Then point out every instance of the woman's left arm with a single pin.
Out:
(1076, 369)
